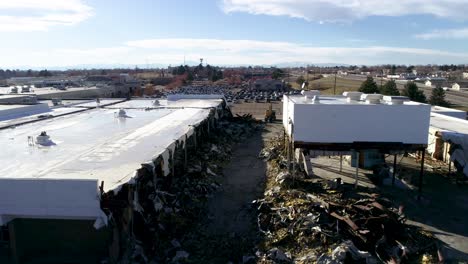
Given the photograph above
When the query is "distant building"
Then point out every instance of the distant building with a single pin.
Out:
(393, 77)
(456, 86)
(428, 83)
(465, 75)
(438, 81)
(268, 85)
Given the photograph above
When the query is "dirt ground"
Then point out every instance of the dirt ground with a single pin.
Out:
(230, 231)
(257, 110)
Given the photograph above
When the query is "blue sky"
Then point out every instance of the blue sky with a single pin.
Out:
(50, 33)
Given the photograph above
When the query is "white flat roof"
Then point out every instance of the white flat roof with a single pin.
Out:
(94, 144)
(335, 100)
(47, 90)
(53, 112)
(163, 103)
(449, 123)
(94, 103)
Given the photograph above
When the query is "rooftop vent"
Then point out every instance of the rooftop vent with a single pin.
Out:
(122, 113)
(44, 140)
(371, 98)
(311, 95)
(352, 96)
(395, 100)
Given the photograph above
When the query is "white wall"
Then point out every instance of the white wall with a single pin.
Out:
(342, 123)
(288, 113)
(55, 199)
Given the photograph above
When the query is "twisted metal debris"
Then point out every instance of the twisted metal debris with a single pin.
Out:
(318, 221)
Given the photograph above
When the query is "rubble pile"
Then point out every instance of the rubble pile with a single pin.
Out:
(320, 221)
(166, 209)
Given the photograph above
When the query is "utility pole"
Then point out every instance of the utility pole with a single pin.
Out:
(381, 80)
(334, 86)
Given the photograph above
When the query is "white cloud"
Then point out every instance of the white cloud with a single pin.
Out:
(232, 52)
(344, 11)
(458, 33)
(219, 51)
(40, 15)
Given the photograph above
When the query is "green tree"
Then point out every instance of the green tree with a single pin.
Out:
(300, 80)
(277, 73)
(190, 76)
(216, 75)
(438, 97)
(393, 70)
(181, 70)
(44, 73)
(390, 88)
(412, 91)
(369, 86)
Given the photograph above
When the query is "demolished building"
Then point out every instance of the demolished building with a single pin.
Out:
(448, 141)
(63, 179)
(354, 124)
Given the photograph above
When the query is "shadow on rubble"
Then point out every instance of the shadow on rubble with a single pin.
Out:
(317, 220)
(442, 209)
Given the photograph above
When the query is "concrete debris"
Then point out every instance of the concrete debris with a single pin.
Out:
(331, 219)
(180, 255)
(282, 176)
(347, 251)
(278, 255)
(248, 259)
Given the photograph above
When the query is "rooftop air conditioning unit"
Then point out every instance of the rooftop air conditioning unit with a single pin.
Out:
(311, 95)
(395, 100)
(371, 98)
(352, 96)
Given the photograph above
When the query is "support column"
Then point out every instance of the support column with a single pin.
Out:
(172, 153)
(341, 162)
(195, 134)
(185, 152)
(357, 169)
(293, 161)
(421, 173)
(394, 169)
